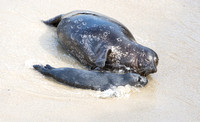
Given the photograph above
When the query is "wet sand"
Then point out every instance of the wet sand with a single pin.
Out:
(171, 28)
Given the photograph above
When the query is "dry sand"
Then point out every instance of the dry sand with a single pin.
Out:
(171, 28)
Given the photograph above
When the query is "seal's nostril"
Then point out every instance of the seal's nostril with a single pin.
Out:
(139, 79)
(142, 81)
(154, 69)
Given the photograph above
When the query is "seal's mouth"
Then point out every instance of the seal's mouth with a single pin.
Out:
(147, 71)
(143, 72)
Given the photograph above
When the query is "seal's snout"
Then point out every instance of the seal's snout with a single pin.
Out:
(142, 80)
(149, 70)
(153, 69)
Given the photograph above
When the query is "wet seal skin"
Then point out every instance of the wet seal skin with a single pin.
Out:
(102, 43)
(91, 79)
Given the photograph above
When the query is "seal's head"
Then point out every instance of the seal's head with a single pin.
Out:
(137, 59)
(147, 61)
(135, 79)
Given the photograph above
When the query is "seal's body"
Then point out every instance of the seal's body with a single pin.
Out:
(100, 42)
(91, 79)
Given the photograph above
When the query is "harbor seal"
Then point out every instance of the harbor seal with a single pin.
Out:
(100, 42)
(91, 79)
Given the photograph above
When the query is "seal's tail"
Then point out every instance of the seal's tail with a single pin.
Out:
(53, 21)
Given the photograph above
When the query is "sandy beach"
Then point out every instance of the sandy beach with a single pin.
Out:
(171, 28)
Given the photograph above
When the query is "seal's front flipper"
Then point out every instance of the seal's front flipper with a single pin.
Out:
(102, 57)
(42, 69)
(54, 21)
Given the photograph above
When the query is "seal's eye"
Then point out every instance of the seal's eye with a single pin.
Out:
(147, 60)
(143, 55)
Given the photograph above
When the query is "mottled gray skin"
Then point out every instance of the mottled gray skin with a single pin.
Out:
(100, 42)
(91, 79)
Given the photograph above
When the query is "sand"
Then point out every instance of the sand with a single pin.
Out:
(171, 28)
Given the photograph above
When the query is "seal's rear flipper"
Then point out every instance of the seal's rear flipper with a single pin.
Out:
(42, 69)
(53, 21)
(49, 67)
